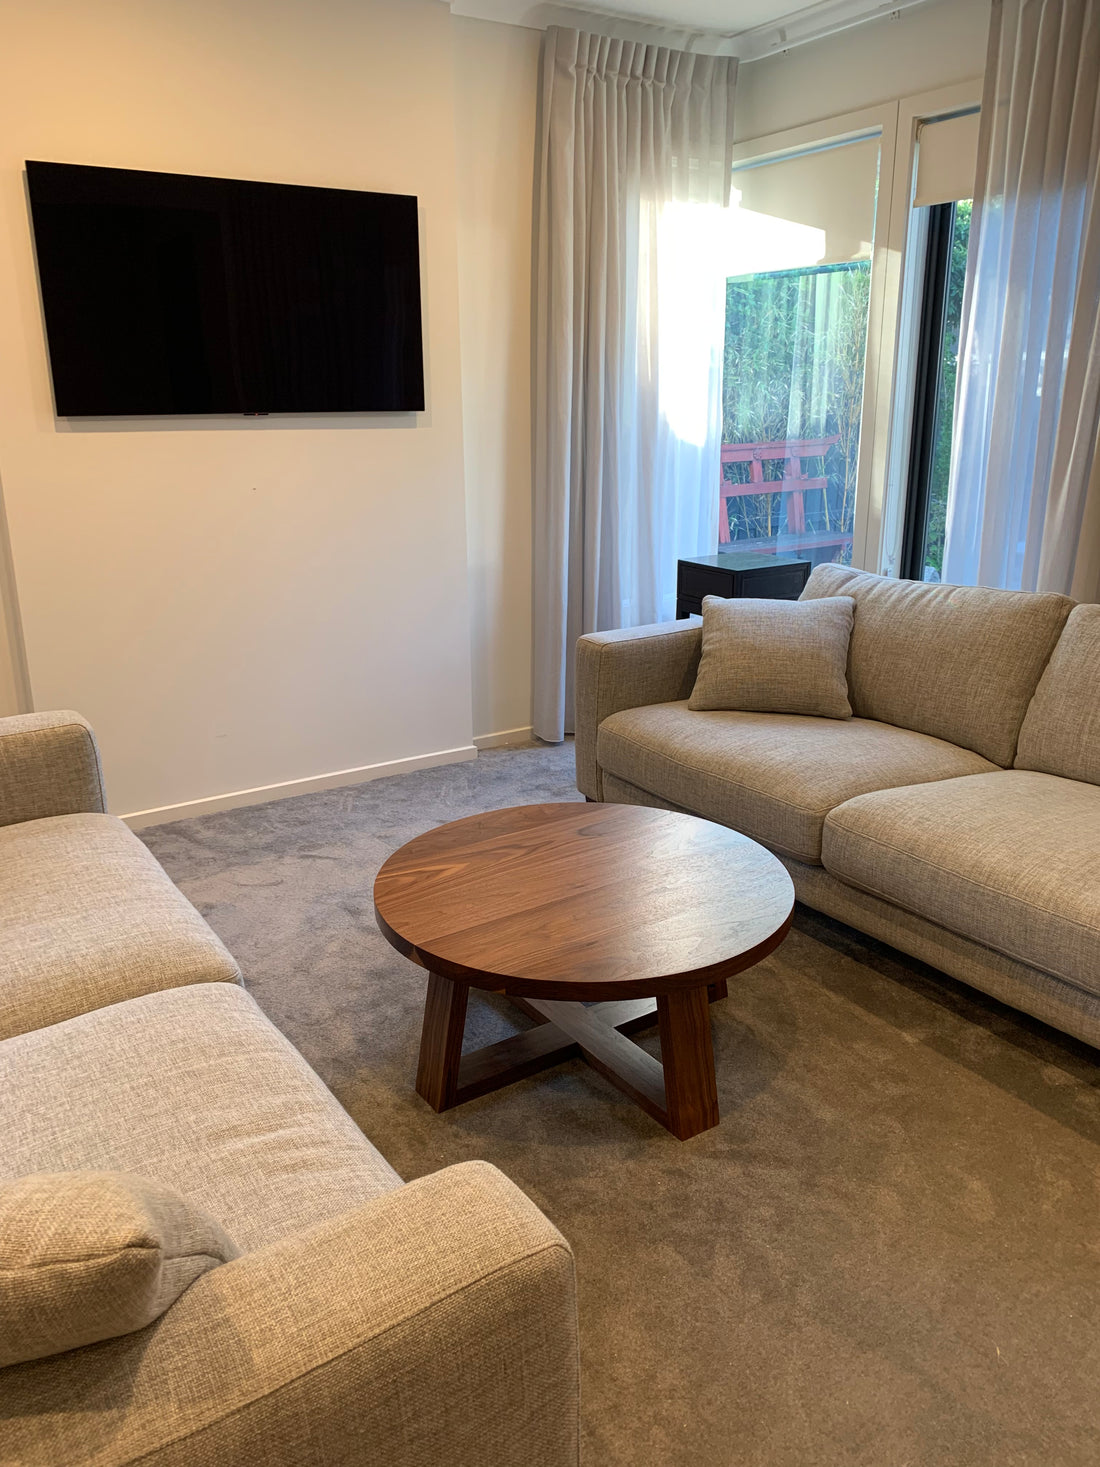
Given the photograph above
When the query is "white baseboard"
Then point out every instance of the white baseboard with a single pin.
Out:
(262, 793)
(504, 736)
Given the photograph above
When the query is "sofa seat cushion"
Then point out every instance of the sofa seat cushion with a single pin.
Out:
(773, 776)
(87, 918)
(1010, 860)
(195, 1088)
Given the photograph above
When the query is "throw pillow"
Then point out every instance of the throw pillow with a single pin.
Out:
(775, 656)
(86, 1256)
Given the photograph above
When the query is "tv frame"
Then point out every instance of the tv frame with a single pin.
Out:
(395, 242)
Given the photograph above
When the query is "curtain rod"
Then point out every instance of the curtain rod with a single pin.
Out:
(801, 27)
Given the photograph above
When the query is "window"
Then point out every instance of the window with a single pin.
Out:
(845, 260)
(948, 235)
(798, 257)
(929, 237)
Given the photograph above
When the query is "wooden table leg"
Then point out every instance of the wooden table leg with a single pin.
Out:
(691, 1089)
(441, 1041)
(681, 1092)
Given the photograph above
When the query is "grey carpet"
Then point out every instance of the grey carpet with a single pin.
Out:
(888, 1252)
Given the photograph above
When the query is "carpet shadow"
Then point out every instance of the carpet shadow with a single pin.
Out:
(1075, 1077)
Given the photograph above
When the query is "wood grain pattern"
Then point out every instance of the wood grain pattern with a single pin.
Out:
(595, 920)
(441, 1041)
(596, 1033)
(592, 901)
(509, 1060)
(691, 1088)
(619, 1059)
(521, 1055)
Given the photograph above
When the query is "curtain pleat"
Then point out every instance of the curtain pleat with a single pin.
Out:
(1019, 512)
(635, 158)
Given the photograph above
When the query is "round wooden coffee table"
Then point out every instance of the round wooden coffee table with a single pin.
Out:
(583, 915)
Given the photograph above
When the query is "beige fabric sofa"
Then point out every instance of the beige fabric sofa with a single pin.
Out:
(366, 1320)
(956, 816)
(87, 916)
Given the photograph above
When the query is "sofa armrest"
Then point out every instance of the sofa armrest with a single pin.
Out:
(49, 765)
(629, 669)
(435, 1323)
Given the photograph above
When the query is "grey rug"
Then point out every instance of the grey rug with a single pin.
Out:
(888, 1253)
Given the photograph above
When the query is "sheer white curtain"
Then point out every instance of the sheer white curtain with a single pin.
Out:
(636, 153)
(1021, 509)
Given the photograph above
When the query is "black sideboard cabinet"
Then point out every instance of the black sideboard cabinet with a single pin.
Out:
(738, 573)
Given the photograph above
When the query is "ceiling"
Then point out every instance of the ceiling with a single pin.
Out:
(746, 28)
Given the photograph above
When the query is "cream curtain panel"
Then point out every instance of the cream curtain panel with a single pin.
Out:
(1022, 510)
(636, 153)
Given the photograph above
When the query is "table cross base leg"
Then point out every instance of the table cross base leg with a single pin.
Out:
(679, 1091)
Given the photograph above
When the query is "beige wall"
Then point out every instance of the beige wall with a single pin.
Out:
(916, 50)
(237, 604)
(14, 692)
(242, 604)
(496, 77)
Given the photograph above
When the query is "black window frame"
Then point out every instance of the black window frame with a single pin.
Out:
(926, 393)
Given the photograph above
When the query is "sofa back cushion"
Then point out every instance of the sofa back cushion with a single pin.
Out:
(1061, 733)
(86, 1256)
(957, 662)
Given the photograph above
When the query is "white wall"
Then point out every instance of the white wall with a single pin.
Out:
(496, 79)
(237, 604)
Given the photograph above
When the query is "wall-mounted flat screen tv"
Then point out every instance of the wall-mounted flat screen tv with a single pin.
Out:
(165, 293)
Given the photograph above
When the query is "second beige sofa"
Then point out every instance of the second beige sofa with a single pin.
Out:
(956, 816)
(87, 915)
(365, 1319)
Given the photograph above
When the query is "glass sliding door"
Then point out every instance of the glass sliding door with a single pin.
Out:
(798, 259)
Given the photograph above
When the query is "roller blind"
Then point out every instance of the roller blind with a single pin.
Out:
(947, 154)
(827, 192)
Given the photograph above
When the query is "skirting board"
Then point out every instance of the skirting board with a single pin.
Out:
(504, 736)
(262, 793)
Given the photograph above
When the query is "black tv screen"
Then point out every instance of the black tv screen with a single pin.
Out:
(165, 293)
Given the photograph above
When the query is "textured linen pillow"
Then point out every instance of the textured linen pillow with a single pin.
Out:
(775, 656)
(86, 1256)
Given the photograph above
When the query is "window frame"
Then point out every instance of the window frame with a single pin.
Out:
(907, 249)
(848, 127)
(926, 389)
(897, 272)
